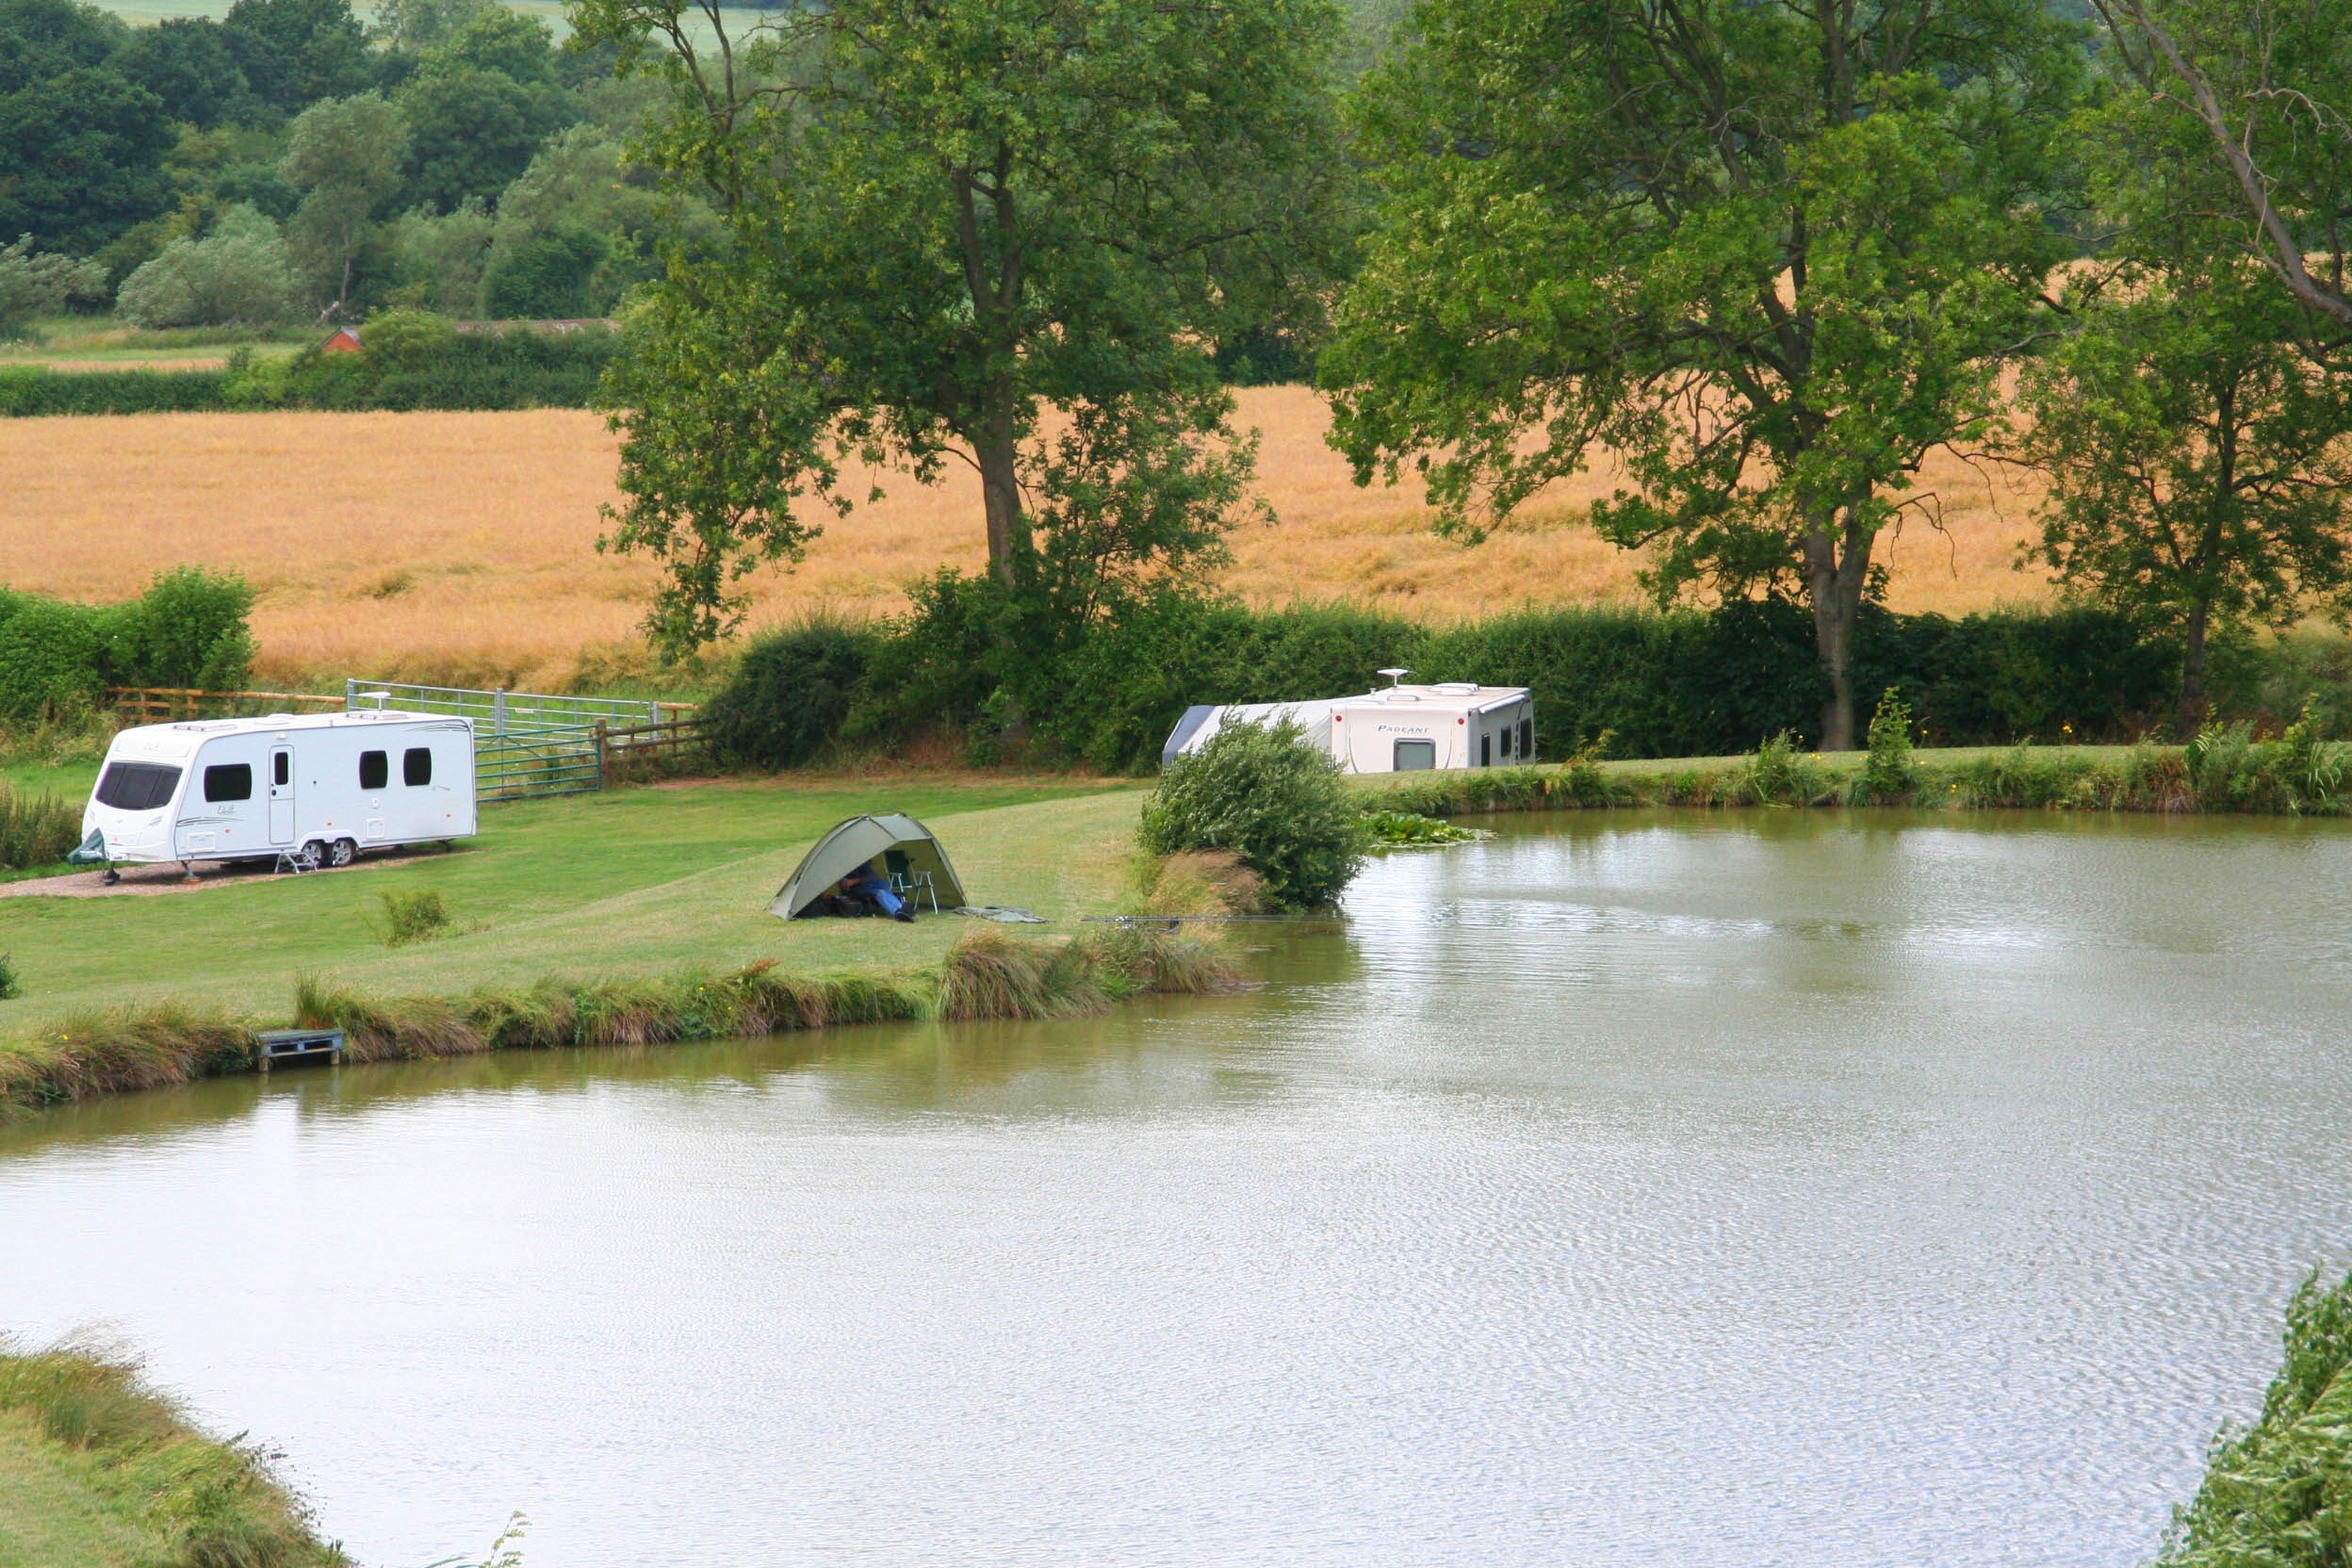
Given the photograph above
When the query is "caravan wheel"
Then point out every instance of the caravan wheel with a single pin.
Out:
(343, 854)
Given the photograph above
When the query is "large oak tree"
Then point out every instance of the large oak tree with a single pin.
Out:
(1772, 254)
(1003, 232)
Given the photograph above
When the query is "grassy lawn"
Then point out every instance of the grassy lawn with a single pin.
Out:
(635, 881)
(98, 1471)
(53, 1511)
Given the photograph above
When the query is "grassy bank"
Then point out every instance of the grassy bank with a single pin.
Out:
(631, 883)
(99, 1471)
(2231, 774)
(635, 916)
(986, 974)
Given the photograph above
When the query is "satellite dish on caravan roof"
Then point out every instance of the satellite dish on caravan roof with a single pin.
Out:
(1395, 676)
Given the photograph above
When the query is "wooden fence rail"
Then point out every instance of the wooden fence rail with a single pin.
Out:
(672, 741)
(181, 702)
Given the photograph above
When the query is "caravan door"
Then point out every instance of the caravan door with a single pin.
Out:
(280, 794)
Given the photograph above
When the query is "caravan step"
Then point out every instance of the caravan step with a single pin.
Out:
(300, 1045)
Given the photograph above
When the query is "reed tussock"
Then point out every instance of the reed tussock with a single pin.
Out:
(992, 974)
(1196, 882)
(386, 1029)
(117, 1049)
(460, 546)
(36, 830)
(203, 1504)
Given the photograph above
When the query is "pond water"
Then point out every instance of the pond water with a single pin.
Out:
(1623, 1190)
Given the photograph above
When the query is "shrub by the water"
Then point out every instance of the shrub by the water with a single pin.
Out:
(1266, 795)
(1888, 773)
(2273, 1493)
(790, 696)
(10, 985)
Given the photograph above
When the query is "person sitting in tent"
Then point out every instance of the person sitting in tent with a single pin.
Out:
(869, 886)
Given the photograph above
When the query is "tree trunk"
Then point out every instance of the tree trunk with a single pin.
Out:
(995, 448)
(2192, 670)
(1834, 580)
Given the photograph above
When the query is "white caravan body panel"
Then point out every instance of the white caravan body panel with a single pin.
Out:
(1409, 728)
(1399, 729)
(247, 789)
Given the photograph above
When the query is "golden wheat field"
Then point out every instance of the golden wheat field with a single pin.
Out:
(460, 546)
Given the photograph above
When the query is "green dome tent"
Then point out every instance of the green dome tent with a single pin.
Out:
(898, 839)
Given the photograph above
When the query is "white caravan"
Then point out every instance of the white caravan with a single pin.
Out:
(319, 788)
(1399, 728)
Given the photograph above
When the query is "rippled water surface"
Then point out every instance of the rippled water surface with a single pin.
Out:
(1624, 1191)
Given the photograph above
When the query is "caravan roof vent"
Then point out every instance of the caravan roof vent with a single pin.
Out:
(1457, 688)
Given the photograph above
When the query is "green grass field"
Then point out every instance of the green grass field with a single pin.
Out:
(97, 1471)
(636, 881)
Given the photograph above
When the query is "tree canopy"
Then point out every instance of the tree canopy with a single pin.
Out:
(1772, 256)
(943, 220)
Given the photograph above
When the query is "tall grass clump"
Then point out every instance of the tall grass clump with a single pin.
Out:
(417, 916)
(36, 830)
(386, 1029)
(990, 974)
(1889, 773)
(116, 1050)
(1270, 798)
(1781, 774)
(215, 1503)
(2274, 1494)
(1196, 882)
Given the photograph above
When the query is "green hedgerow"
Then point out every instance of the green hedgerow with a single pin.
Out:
(1270, 798)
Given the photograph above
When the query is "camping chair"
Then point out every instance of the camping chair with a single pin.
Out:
(907, 882)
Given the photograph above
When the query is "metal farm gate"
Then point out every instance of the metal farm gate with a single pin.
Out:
(526, 744)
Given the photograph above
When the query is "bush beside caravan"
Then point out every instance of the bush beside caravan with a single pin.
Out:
(319, 788)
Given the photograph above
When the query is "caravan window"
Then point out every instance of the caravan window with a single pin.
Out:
(1527, 738)
(282, 768)
(1506, 742)
(229, 781)
(137, 786)
(375, 768)
(1486, 749)
(1415, 756)
(417, 765)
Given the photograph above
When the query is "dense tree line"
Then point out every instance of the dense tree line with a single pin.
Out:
(1770, 257)
(292, 162)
